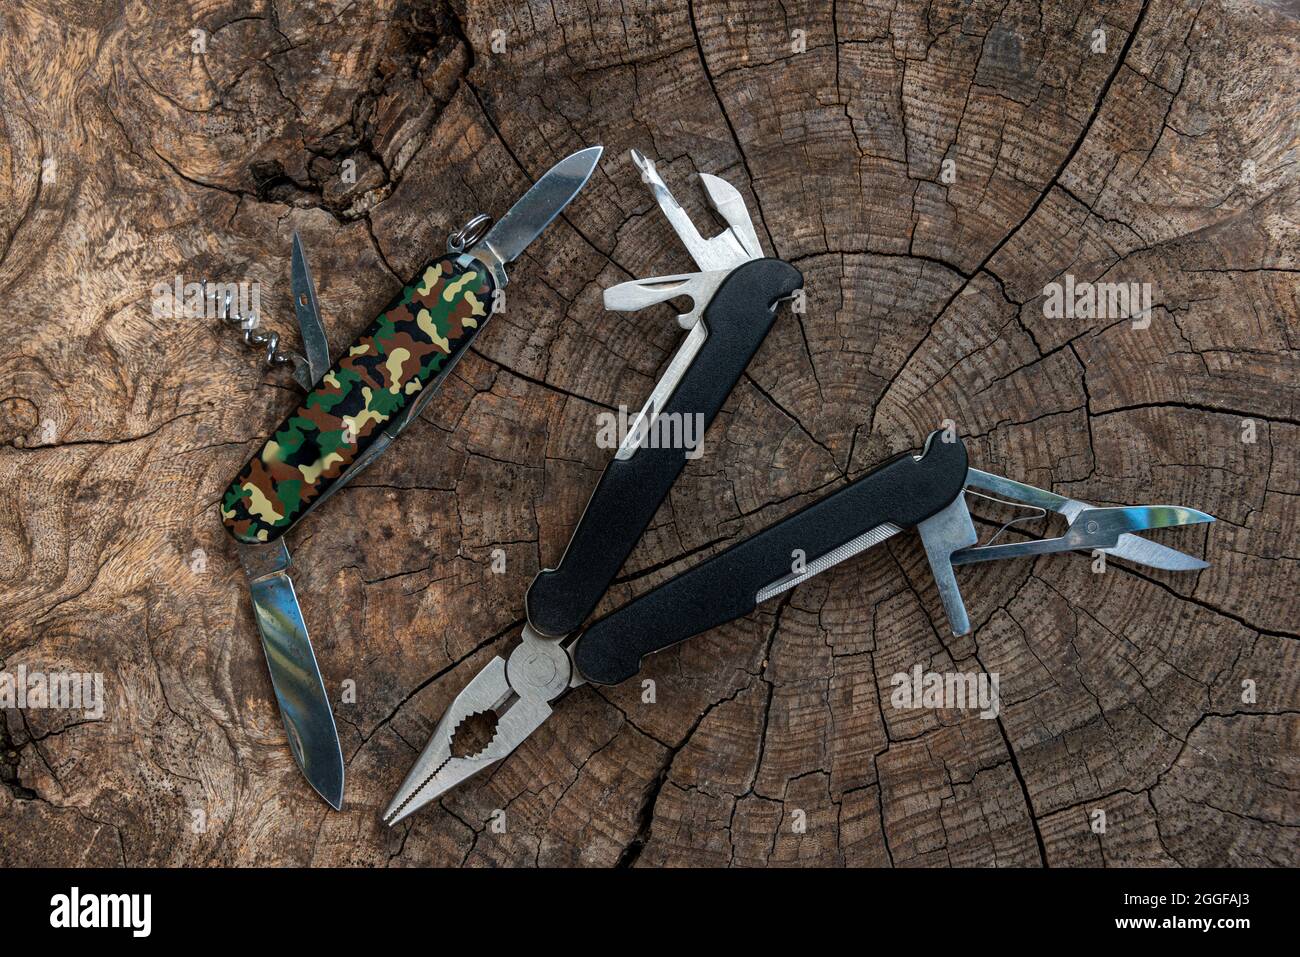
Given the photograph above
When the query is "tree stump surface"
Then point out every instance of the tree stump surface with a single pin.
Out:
(1169, 157)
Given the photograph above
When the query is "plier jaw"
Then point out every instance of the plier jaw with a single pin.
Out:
(516, 693)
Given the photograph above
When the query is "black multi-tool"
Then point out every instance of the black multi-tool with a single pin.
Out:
(734, 300)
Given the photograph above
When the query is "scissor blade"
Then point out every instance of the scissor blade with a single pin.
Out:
(295, 676)
(314, 344)
(1102, 524)
(1091, 528)
(542, 203)
(1142, 551)
(1129, 547)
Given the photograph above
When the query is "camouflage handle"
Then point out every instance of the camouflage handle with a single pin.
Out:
(409, 347)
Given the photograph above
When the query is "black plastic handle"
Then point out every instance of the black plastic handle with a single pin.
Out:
(903, 491)
(630, 490)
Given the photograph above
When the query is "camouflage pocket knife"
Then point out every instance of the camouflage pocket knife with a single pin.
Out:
(352, 412)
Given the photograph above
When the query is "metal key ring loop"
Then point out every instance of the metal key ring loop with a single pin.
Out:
(469, 234)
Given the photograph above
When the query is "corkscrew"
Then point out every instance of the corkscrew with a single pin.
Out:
(308, 367)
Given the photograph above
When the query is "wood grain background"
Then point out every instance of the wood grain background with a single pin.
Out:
(127, 159)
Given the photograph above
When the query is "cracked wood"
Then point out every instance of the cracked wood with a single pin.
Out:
(1168, 157)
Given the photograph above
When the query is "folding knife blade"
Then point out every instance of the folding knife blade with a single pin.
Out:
(314, 343)
(535, 210)
(304, 705)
